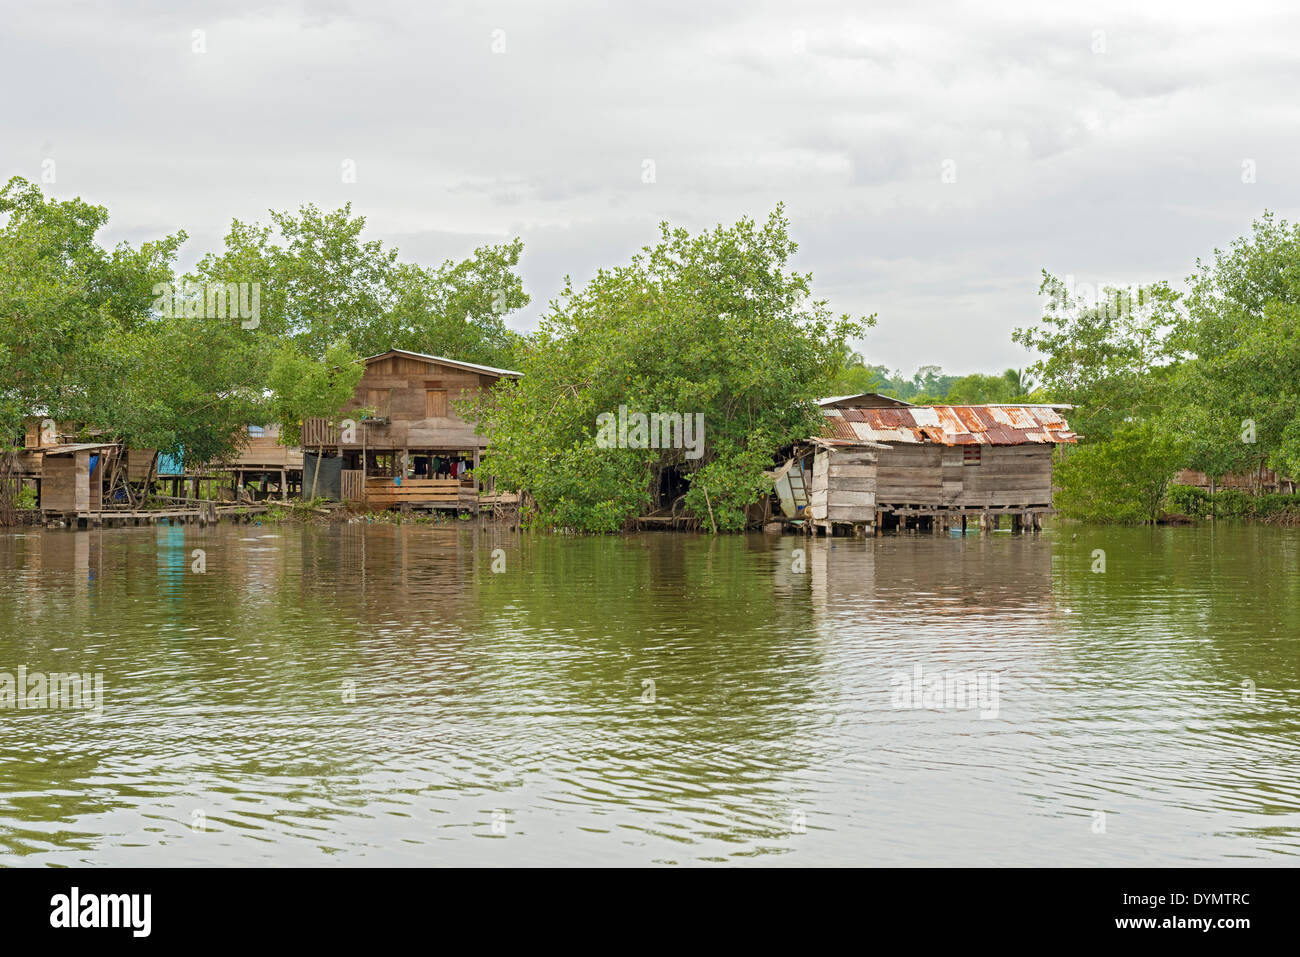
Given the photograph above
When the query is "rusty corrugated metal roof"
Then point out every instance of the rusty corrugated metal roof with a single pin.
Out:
(952, 425)
(840, 429)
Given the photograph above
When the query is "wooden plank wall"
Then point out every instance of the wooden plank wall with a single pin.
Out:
(382, 493)
(911, 475)
(266, 451)
(59, 483)
(397, 386)
(139, 462)
(936, 475)
(32, 438)
(844, 486)
(352, 485)
(66, 485)
(1007, 475)
(817, 492)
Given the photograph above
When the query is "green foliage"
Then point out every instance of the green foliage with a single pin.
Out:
(1233, 503)
(323, 284)
(1102, 356)
(1238, 391)
(1012, 386)
(1188, 500)
(1216, 369)
(62, 298)
(304, 388)
(853, 376)
(710, 323)
(1277, 505)
(722, 490)
(588, 489)
(1122, 480)
(928, 385)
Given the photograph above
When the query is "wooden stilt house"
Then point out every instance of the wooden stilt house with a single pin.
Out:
(414, 448)
(883, 463)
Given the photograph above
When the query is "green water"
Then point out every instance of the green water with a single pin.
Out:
(379, 695)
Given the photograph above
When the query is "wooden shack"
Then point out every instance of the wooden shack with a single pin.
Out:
(412, 447)
(72, 477)
(1262, 480)
(882, 463)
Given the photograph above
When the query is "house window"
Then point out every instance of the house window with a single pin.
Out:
(256, 431)
(970, 455)
(435, 403)
(377, 399)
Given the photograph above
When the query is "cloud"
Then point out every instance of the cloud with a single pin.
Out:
(1101, 141)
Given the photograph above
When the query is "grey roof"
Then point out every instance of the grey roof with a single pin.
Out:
(868, 399)
(473, 366)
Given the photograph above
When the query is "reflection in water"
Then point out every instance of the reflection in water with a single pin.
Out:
(377, 694)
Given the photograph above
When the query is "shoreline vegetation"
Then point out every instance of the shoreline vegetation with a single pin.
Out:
(710, 326)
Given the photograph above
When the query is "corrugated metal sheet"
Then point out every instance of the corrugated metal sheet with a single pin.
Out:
(840, 428)
(75, 447)
(952, 425)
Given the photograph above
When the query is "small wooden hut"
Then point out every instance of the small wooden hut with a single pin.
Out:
(884, 463)
(72, 477)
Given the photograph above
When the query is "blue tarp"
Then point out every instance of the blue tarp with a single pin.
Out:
(171, 464)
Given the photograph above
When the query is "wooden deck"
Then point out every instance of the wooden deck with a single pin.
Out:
(381, 492)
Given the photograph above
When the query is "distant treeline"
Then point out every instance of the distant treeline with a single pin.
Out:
(930, 386)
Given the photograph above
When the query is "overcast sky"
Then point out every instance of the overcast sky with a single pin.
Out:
(1089, 140)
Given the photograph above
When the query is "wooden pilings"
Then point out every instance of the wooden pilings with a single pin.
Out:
(940, 520)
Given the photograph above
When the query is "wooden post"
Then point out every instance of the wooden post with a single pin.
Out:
(316, 470)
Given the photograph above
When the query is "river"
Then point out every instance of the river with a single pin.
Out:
(407, 695)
